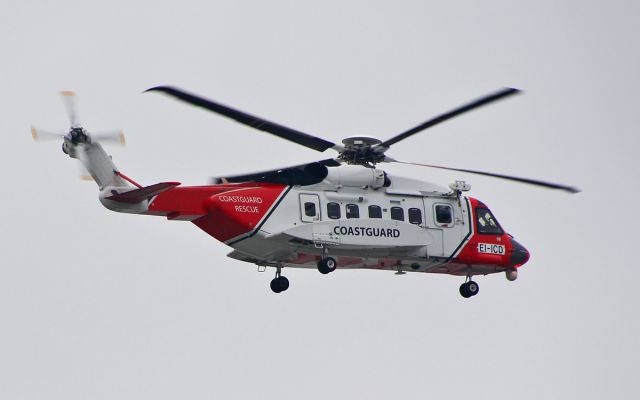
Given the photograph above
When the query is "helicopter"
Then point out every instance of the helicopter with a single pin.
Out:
(342, 212)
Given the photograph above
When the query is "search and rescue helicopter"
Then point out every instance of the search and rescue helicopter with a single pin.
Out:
(338, 213)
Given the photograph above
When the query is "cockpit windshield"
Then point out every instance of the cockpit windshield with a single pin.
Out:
(486, 223)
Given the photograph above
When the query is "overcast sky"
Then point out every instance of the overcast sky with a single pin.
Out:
(99, 305)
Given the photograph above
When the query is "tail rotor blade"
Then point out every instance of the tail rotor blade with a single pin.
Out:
(110, 137)
(81, 155)
(42, 135)
(70, 104)
(83, 173)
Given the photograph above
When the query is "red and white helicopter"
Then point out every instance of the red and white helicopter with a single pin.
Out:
(337, 213)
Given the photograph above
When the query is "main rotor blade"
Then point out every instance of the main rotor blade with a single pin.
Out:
(281, 131)
(448, 115)
(70, 104)
(303, 174)
(535, 182)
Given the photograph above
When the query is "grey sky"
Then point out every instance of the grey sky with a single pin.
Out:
(99, 305)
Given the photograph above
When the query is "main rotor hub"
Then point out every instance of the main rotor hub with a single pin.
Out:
(359, 150)
(360, 141)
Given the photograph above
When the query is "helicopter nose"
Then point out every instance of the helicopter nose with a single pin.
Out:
(520, 255)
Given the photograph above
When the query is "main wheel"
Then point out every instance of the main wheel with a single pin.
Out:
(464, 292)
(473, 288)
(469, 289)
(275, 287)
(279, 284)
(327, 265)
(283, 282)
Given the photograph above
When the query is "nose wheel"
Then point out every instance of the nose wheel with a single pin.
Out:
(469, 289)
(280, 283)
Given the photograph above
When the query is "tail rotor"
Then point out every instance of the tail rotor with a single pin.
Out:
(74, 141)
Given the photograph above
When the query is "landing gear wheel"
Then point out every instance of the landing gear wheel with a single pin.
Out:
(279, 284)
(276, 288)
(473, 288)
(469, 289)
(463, 291)
(327, 265)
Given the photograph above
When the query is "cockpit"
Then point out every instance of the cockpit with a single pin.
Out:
(486, 223)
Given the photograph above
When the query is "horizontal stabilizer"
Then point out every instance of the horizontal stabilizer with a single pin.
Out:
(147, 192)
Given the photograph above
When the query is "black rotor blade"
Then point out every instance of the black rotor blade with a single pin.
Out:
(448, 115)
(536, 182)
(292, 135)
(303, 174)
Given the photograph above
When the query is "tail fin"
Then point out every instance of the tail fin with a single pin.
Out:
(117, 191)
(98, 163)
(143, 193)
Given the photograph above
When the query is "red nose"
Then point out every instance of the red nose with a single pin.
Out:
(520, 255)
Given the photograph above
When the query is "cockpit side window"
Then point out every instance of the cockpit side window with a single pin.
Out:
(486, 223)
(443, 214)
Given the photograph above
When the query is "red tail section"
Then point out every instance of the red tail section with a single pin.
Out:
(225, 212)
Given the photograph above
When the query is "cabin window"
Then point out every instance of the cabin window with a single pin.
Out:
(415, 216)
(353, 211)
(444, 214)
(486, 223)
(310, 209)
(397, 213)
(333, 210)
(375, 212)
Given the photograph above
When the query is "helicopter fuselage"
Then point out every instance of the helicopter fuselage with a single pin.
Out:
(355, 217)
